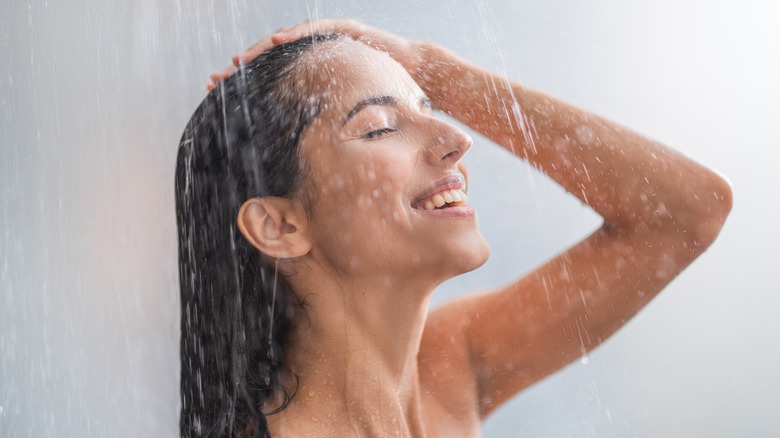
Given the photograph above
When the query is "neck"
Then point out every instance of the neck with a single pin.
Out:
(354, 350)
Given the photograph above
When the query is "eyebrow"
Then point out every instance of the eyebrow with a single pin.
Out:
(381, 100)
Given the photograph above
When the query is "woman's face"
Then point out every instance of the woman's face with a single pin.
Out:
(378, 162)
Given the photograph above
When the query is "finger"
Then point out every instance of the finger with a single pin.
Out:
(210, 86)
(222, 75)
(282, 38)
(243, 58)
(253, 51)
(301, 30)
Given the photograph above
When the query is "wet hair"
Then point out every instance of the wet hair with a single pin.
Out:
(236, 312)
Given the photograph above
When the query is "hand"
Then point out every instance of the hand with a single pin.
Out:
(407, 52)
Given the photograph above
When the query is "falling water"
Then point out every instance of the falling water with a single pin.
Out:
(94, 95)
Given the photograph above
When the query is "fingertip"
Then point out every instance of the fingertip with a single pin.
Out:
(243, 59)
(284, 37)
(210, 86)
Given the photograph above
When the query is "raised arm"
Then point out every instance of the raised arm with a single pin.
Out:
(634, 183)
(661, 210)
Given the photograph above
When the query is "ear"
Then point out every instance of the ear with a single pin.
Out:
(278, 227)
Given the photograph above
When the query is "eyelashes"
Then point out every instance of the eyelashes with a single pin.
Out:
(378, 133)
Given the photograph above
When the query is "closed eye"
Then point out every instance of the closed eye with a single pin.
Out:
(379, 133)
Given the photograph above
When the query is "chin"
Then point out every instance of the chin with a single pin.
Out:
(476, 256)
(462, 256)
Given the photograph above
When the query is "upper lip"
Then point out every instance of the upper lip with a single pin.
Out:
(454, 181)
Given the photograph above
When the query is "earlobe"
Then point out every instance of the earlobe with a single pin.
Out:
(277, 227)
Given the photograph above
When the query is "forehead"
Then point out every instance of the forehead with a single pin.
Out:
(344, 72)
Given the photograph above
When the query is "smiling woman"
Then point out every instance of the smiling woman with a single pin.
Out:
(320, 203)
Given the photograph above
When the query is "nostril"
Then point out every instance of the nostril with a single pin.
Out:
(452, 154)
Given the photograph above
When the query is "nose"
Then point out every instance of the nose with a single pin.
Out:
(448, 144)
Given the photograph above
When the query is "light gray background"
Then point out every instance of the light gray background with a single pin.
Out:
(94, 95)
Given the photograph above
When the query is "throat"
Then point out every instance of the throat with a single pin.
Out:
(350, 393)
(354, 351)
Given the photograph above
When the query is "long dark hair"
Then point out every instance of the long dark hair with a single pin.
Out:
(242, 142)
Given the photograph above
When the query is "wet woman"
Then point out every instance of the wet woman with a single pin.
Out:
(320, 203)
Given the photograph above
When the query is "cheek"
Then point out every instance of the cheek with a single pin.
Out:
(370, 182)
(362, 199)
(388, 180)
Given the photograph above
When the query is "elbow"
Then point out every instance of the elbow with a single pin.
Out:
(682, 223)
(725, 195)
(712, 207)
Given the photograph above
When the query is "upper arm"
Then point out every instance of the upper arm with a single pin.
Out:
(661, 209)
(509, 338)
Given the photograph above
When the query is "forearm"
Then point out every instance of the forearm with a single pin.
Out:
(631, 181)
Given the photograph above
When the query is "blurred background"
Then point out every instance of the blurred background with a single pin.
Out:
(94, 95)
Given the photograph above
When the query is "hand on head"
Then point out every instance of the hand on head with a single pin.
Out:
(406, 52)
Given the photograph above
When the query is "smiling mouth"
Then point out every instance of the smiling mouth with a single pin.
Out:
(442, 200)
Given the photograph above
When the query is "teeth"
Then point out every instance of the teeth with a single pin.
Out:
(452, 197)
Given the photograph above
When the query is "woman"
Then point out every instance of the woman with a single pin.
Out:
(320, 203)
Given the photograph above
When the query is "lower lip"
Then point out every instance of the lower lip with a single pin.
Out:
(461, 211)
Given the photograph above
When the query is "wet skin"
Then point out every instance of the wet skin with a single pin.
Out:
(358, 244)
(367, 170)
(374, 156)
